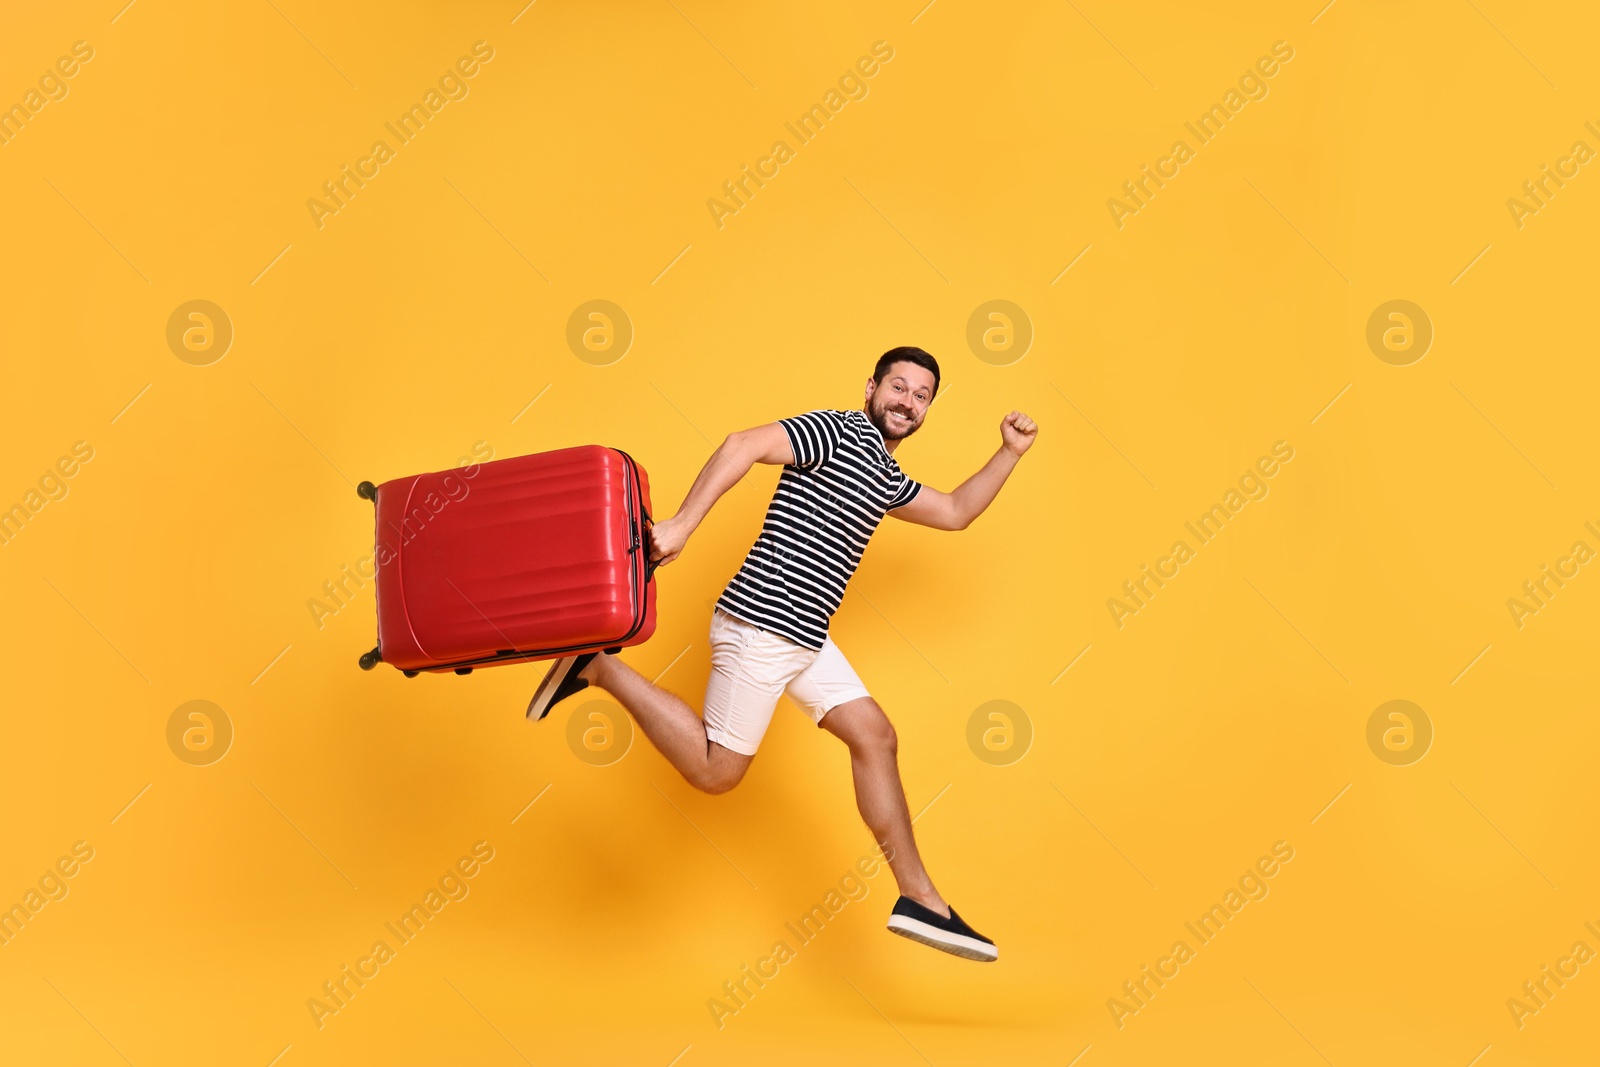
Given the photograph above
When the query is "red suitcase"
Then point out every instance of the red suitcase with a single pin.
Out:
(517, 559)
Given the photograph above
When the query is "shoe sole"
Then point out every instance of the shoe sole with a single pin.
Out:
(539, 706)
(967, 948)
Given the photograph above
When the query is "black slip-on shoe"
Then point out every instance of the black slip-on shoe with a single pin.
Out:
(952, 935)
(561, 682)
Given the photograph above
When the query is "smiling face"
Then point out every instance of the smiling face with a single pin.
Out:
(898, 404)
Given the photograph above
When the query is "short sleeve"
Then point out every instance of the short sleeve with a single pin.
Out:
(909, 488)
(812, 436)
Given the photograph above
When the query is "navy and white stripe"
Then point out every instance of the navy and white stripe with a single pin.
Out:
(826, 507)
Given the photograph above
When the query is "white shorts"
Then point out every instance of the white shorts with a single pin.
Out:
(752, 667)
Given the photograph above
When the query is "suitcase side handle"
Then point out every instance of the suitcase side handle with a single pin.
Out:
(645, 523)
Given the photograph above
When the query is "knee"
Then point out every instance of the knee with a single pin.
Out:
(876, 735)
(886, 740)
(717, 780)
(715, 785)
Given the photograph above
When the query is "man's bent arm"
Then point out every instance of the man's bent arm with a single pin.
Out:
(973, 496)
(730, 462)
(956, 510)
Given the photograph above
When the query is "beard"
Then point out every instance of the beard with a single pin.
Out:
(879, 414)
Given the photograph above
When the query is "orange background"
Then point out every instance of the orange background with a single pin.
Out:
(431, 313)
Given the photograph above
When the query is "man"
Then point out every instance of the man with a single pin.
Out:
(769, 632)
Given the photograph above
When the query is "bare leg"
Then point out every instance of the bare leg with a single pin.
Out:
(671, 725)
(862, 725)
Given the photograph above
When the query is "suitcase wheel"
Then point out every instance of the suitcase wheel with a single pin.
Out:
(367, 491)
(370, 660)
(463, 670)
(411, 674)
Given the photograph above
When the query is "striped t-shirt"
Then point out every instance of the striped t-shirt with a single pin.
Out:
(826, 507)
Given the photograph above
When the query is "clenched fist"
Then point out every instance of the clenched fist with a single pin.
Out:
(667, 539)
(1018, 432)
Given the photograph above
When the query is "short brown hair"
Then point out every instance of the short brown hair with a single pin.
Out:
(907, 354)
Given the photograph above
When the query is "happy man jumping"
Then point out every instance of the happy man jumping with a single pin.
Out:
(769, 632)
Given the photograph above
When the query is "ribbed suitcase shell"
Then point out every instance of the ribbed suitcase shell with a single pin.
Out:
(530, 558)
